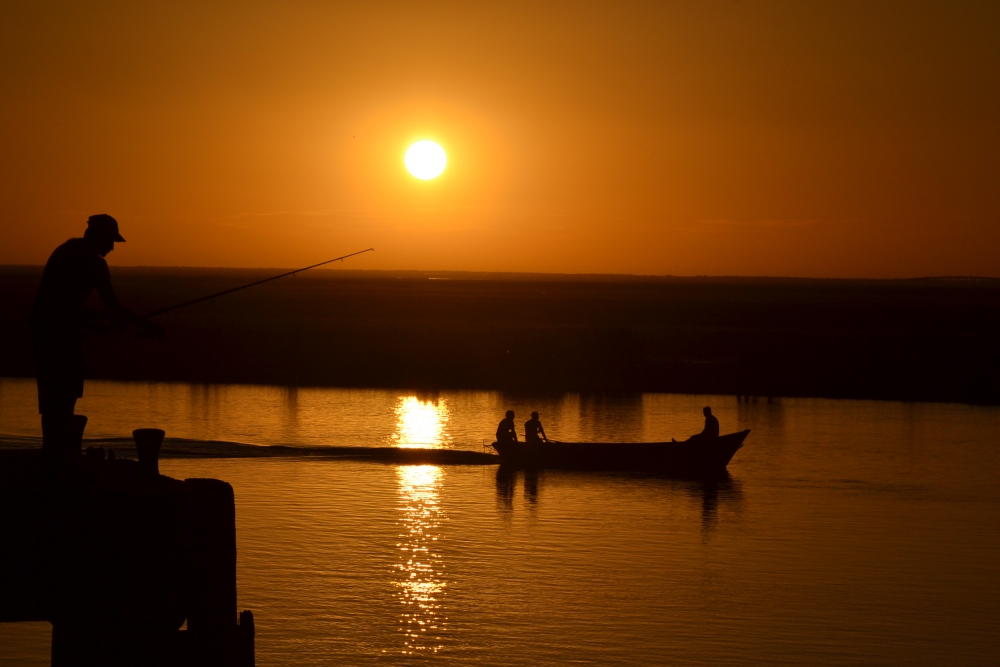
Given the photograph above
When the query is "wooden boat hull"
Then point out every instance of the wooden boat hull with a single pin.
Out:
(695, 457)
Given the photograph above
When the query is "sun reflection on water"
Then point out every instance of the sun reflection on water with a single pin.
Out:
(419, 580)
(421, 423)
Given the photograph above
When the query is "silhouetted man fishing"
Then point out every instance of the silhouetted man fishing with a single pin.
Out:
(60, 321)
(505, 429)
(532, 429)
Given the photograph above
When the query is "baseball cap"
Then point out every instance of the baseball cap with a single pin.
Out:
(105, 225)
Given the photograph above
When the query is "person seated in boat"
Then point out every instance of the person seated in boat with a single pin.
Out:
(532, 429)
(711, 430)
(505, 430)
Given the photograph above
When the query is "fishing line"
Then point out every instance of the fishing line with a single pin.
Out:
(161, 311)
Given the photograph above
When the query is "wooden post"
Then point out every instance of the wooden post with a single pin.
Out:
(213, 575)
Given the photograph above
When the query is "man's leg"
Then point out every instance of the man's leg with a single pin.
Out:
(57, 425)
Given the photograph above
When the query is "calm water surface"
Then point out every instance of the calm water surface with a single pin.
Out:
(849, 532)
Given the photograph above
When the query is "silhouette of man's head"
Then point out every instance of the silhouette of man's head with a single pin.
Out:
(707, 411)
(510, 414)
(102, 232)
(534, 415)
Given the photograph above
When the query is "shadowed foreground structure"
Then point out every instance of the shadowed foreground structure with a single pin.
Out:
(928, 339)
(117, 559)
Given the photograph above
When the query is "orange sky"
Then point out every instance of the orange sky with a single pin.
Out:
(731, 138)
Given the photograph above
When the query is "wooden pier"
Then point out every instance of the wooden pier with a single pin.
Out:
(119, 559)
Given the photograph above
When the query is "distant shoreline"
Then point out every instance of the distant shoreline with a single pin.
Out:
(930, 339)
(506, 275)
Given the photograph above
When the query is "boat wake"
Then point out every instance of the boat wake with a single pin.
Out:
(183, 448)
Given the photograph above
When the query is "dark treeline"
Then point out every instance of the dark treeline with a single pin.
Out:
(912, 340)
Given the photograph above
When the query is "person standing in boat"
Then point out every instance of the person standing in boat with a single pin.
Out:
(532, 429)
(506, 432)
(59, 323)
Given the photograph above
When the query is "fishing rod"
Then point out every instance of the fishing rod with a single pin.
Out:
(242, 287)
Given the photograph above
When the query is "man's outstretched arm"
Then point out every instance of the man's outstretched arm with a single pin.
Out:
(122, 316)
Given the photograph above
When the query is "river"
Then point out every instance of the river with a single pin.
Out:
(847, 532)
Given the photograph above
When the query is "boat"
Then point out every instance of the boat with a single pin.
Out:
(694, 457)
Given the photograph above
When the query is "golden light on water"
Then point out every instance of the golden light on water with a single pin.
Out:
(420, 423)
(425, 160)
(420, 578)
(420, 572)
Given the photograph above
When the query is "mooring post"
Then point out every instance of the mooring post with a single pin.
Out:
(147, 446)
(212, 619)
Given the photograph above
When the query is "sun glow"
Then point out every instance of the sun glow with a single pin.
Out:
(420, 423)
(425, 160)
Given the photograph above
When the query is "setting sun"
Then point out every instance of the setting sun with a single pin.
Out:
(425, 160)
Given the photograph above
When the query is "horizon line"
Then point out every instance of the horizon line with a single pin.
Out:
(702, 276)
